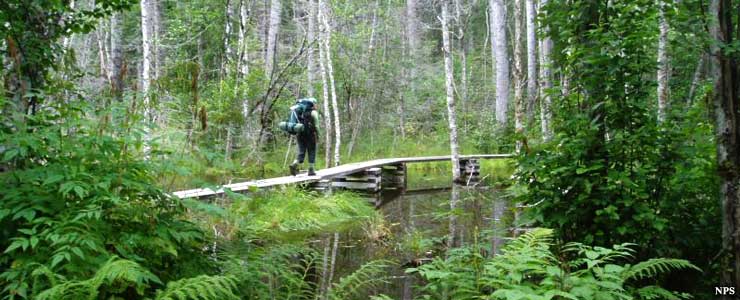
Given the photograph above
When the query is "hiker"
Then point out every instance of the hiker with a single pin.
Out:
(303, 123)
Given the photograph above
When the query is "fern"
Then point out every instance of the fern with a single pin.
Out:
(367, 275)
(116, 275)
(652, 292)
(655, 266)
(201, 287)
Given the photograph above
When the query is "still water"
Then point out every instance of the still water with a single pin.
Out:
(417, 227)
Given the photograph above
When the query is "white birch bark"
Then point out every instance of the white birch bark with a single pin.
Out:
(158, 31)
(243, 61)
(546, 82)
(501, 56)
(311, 35)
(272, 36)
(334, 251)
(519, 80)
(324, 17)
(325, 94)
(228, 31)
(147, 36)
(663, 64)
(116, 54)
(103, 52)
(449, 82)
(531, 60)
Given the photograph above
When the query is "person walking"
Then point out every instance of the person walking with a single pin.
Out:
(306, 114)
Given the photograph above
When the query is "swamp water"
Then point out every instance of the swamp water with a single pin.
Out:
(418, 222)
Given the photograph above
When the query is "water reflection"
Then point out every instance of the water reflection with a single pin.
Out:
(422, 225)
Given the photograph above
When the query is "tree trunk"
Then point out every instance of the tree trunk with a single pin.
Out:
(519, 79)
(158, 31)
(325, 90)
(414, 41)
(501, 56)
(243, 53)
(101, 37)
(724, 69)
(116, 55)
(449, 82)
(311, 34)
(334, 251)
(228, 30)
(147, 36)
(272, 36)
(324, 17)
(696, 78)
(663, 64)
(546, 81)
(531, 61)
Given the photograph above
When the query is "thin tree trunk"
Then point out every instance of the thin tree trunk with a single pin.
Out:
(103, 53)
(147, 35)
(663, 64)
(519, 80)
(325, 90)
(501, 56)
(116, 55)
(272, 36)
(324, 270)
(696, 78)
(449, 82)
(311, 34)
(546, 82)
(414, 41)
(228, 31)
(243, 61)
(158, 28)
(453, 239)
(324, 17)
(531, 61)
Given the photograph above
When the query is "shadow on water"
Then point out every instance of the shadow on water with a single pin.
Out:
(419, 223)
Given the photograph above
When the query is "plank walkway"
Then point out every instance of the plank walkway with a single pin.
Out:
(329, 173)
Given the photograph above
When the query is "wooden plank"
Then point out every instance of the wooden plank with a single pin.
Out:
(326, 174)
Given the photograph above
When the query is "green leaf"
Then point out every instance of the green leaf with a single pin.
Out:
(53, 179)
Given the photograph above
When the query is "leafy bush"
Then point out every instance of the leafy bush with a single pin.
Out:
(527, 268)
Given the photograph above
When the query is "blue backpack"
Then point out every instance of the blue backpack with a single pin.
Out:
(300, 119)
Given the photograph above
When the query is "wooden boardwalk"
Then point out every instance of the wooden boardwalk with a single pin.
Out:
(326, 174)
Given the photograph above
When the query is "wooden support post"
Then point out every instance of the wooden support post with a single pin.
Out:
(470, 170)
(323, 185)
(368, 180)
(394, 176)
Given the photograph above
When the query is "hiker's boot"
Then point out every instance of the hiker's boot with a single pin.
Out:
(293, 169)
(311, 172)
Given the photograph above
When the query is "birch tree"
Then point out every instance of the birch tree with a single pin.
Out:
(147, 36)
(663, 64)
(449, 82)
(501, 57)
(531, 60)
(519, 79)
(324, 17)
(242, 47)
(546, 81)
(325, 93)
(228, 31)
(311, 34)
(272, 35)
(116, 55)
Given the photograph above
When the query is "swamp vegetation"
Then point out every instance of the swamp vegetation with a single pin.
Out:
(622, 117)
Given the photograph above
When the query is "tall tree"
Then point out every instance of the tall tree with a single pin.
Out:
(228, 32)
(158, 31)
(147, 37)
(327, 30)
(449, 85)
(325, 92)
(519, 79)
(272, 36)
(501, 56)
(531, 60)
(311, 34)
(116, 55)
(546, 80)
(242, 46)
(663, 64)
(724, 69)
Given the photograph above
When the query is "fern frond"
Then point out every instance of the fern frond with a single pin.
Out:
(201, 287)
(116, 274)
(366, 276)
(655, 266)
(652, 292)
